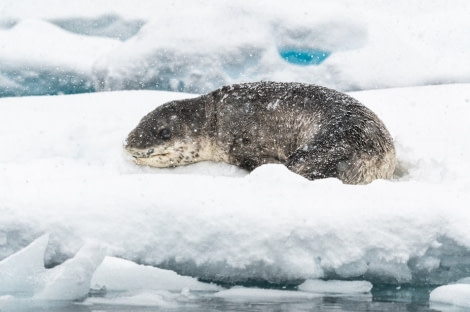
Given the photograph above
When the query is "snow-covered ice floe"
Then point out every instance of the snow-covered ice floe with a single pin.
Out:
(74, 208)
(201, 45)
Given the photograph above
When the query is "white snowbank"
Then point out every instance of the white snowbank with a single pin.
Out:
(63, 172)
(196, 46)
(456, 294)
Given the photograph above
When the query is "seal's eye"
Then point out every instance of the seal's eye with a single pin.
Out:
(164, 134)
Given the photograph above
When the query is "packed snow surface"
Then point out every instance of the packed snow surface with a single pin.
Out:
(75, 207)
(196, 46)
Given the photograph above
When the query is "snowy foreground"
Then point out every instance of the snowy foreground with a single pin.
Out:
(198, 45)
(76, 213)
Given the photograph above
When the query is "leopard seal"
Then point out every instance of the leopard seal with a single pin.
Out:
(315, 131)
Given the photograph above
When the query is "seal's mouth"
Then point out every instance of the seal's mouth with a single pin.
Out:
(151, 153)
(153, 157)
(170, 155)
(145, 153)
(150, 156)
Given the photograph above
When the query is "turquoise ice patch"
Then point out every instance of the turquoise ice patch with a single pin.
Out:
(304, 57)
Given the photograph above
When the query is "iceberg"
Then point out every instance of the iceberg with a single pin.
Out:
(197, 48)
(28, 65)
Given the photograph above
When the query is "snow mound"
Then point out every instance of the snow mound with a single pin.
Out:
(457, 294)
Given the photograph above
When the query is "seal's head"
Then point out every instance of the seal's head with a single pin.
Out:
(174, 134)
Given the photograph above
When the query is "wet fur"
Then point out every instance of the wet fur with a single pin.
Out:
(315, 131)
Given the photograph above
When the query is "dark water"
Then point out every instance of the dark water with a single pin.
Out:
(381, 299)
